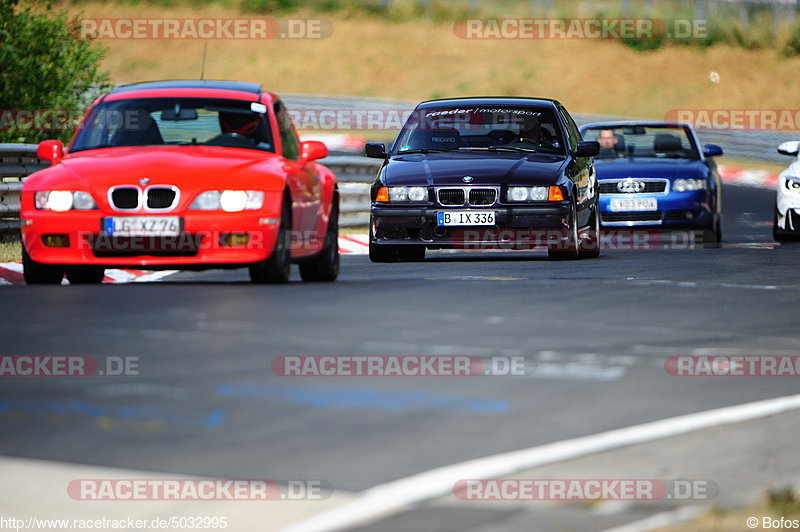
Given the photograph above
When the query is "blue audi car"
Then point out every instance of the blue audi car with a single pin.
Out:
(655, 174)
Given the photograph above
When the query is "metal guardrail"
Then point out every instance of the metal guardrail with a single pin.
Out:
(17, 161)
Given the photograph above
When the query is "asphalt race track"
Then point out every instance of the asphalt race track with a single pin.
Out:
(596, 334)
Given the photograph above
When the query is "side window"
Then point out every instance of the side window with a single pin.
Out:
(572, 128)
(289, 142)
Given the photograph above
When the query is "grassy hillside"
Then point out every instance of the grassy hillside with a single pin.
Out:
(420, 59)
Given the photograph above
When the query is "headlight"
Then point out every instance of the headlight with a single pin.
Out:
(793, 184)
(685, 185)
(528, 193)
(417, 194)
(229, 200)
(63, 200)
(83, 201)
(402, 194)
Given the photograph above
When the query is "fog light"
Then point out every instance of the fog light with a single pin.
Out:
(56, 241)
(236, 239)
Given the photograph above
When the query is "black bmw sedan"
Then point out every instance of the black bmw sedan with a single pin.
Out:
(485, 173)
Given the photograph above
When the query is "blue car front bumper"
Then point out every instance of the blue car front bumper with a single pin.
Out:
(675, 210)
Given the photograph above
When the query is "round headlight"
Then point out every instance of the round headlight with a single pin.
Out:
(398, 193)
(59, 200)
(233, 200)
(417, 194)
(679, 185)
(207, 201)
(793, 184)
(539, 193)
(83, 201)
(518, 193)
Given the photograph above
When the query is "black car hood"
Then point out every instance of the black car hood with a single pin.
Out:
(485, 168)
(649, 167)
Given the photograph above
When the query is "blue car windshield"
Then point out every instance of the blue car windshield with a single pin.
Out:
(661, 142)
(481, 128)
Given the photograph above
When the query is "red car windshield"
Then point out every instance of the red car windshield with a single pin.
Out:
(182, 121)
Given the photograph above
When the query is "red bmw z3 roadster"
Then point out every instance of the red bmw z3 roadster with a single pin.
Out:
(182, 175)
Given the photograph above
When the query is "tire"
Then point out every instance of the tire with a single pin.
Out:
(591, 249)
(713, 233)
(85, 274)
(782, 235)
(38, 273)
(379, 253)
(324, 267)
(276, 268)
(411, 253)
(571, 253)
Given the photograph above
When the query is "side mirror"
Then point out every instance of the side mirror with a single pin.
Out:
(50, 150)
(712, 150)
(311, 150)
(789, 148)
(587, 148)
(376, 150)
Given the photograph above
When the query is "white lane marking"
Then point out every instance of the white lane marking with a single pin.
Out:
(13, 266)
(392, 497)
(660, 520)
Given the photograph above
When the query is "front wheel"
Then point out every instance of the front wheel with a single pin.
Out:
(567, 250)
(85, 274)
(590, 246)
(782, 235)
(276, 269)
(324, 267)
(38, 273)
(381, 253)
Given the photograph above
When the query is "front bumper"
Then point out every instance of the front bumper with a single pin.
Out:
(403, 225)
(202, 241)
(684, 210)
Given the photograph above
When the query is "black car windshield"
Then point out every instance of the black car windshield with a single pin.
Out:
(481, 128)
(670, 142)
(181, 121)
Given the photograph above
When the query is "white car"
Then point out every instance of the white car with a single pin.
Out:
(786, 225)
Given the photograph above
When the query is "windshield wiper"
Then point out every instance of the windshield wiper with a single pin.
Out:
(499, 148)
(422, 150)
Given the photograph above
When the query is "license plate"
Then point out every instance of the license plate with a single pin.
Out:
(464, 218)
(633, 204)
(143, 226)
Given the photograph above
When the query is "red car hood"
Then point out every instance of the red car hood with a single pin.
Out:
(188, 167)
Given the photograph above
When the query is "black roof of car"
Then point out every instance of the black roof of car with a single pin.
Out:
(241, 86)
(491, 100)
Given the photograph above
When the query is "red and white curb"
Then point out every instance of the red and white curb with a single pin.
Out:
(354, 244)
(11, 272)
(748, 178)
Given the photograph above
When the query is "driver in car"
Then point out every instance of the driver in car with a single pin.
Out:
(608, 143)
(532, 132)
(242, 124)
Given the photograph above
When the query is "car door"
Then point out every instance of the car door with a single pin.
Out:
(304, 181)
(580, 169)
